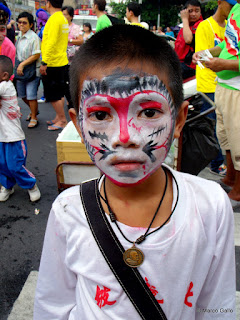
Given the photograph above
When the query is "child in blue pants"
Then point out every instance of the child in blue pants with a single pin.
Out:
(13, 147)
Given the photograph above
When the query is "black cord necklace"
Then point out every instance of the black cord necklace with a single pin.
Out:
(133, 256)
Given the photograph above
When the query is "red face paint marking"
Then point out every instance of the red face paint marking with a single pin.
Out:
(122, 106)
(144, 167)
(134, 126)
(98, 108)
(97, 148)
(151, 105)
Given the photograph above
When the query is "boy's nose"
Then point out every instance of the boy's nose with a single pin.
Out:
(126, 140)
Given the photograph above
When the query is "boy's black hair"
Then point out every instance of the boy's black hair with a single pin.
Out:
(69, 9)
(126, 44)
(135, 8)
(88, 25)
(194, 3)
(6, 65)
(56, 3)
(101, 4)
(27, 15)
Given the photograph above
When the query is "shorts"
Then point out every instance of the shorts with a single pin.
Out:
(228, 119)
(28, 90)
(54, 83)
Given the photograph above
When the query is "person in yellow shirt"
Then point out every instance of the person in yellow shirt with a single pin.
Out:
(133, 12)
(210, 33)
(54, 61)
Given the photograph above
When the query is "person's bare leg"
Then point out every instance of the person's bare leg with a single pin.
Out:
(56, 119)
(229, 179)
(33, 105)
(235, 192)
(60, 119)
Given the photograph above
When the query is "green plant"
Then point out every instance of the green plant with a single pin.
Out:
(211, 5)
(119, 9)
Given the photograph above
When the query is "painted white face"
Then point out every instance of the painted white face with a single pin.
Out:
(127, 123)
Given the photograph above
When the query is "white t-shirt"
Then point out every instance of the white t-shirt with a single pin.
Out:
(189, 264)
(10, 125)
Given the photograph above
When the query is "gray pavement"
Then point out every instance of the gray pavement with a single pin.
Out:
(23, 306)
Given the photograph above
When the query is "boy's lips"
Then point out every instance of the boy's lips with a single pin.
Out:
(127, 165)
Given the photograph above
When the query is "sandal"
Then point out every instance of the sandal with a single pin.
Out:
(29, 116)
(33, 123)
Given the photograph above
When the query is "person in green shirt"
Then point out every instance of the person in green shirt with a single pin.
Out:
(103, 20)
(225, 63)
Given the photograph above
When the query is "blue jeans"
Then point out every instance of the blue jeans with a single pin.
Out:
(28, 90)
(218, 161)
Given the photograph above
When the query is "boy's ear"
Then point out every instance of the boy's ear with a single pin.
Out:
(5, 75)
(73, 116)
(181, 118)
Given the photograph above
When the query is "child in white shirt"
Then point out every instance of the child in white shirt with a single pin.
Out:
(13, 147)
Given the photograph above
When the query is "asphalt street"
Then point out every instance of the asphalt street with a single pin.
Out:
(22, 231)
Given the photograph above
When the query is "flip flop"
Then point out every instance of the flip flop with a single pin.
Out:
(55, 128)
(33, 123)
(50, 122)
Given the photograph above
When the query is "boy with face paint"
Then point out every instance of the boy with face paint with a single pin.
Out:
(129, 106)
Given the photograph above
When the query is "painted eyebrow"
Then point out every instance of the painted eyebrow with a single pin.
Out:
(98, 108)
(151, 105)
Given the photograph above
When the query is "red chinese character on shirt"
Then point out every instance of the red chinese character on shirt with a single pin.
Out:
(153, 290)
(189, 294)
(102, 297)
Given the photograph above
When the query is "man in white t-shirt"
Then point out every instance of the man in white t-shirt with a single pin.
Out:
(13, 147)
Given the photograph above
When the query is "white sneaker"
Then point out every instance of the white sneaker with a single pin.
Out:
(41, 100)
(5, 193)
(34, 193)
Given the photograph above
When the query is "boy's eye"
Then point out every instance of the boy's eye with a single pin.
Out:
(150, 113)
(99, 115)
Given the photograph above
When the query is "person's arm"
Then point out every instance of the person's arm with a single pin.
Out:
(219, 290)
(218, 64)
(55, 292)
(26, 62)
(187, 33)
(78, 41)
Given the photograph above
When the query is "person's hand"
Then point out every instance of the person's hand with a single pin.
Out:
(20, 69)
(184, 14)
(43, 70)
(215, 64)
(196, 56)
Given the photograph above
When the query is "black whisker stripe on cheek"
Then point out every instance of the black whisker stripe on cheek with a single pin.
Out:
(99, 135)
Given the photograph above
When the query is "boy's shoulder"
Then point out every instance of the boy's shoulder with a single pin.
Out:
(7, 87)
(207, 196)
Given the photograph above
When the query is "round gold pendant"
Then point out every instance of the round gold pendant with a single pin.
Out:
(133, 257)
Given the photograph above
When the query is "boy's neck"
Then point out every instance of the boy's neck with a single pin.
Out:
(53, 10)
(135, 206)
(99, 13)
(219, 18)
(134, 20)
